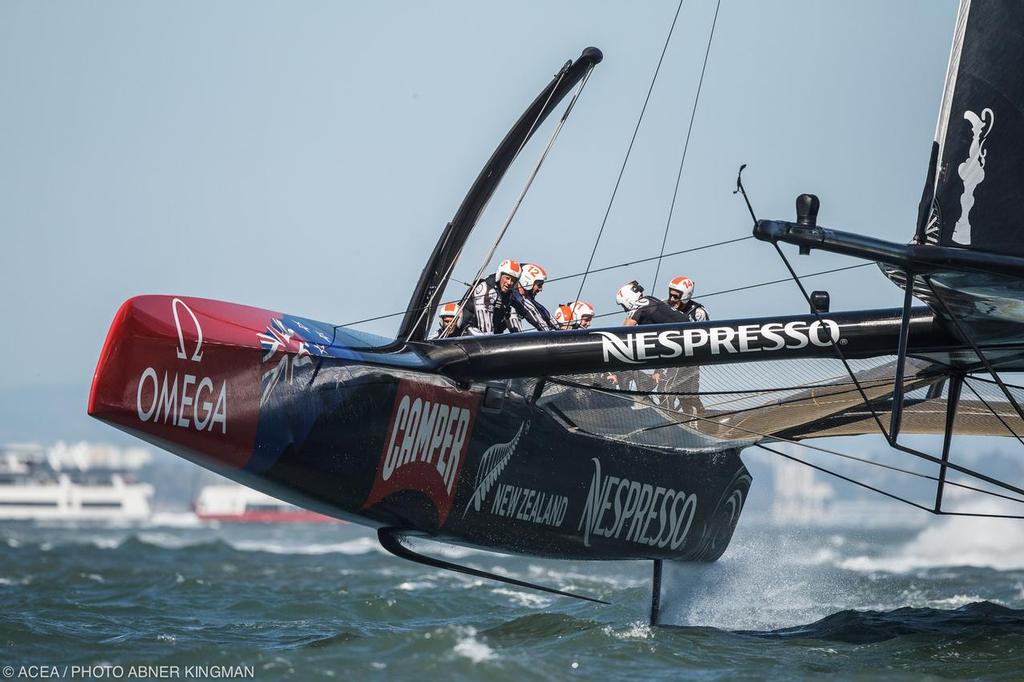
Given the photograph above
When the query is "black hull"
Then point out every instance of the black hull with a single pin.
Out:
(382, 439)
(551, 491)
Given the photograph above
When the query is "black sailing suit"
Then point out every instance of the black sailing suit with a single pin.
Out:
(489, 311)
(529, 308)
(673, 379)
(654, 311)
(694, 311)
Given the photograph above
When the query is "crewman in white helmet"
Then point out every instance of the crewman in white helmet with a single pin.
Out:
(680, 298)
(681, 384)
(449, 321)
(524, 299)
(489, 310)
(642, 309)
(583, 314)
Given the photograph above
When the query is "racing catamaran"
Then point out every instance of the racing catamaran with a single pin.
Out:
(516, 443)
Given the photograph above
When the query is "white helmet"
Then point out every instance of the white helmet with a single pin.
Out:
(564, 316)
(509, 267)
(581, 309)
(683, 285)
(532, 273)
(449, 310)
(629, 295)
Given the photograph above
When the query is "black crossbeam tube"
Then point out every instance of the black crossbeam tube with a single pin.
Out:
(918, 257)
(860, 334)
(952, 400)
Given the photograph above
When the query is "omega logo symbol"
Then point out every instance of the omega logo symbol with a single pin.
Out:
(197, 355)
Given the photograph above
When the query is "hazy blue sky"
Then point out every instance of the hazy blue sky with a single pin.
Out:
(304, 157)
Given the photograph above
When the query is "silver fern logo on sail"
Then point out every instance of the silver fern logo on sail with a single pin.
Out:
(492, 463)
(972, 171)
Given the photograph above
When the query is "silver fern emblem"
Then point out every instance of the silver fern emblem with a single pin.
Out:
(492, 463)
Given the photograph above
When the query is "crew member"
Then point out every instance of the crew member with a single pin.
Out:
(583, 314)
(680, 297)
(642, 309)
(524, 299)
(448, 325)
(685, 381)
(490, 308)
(564, 316)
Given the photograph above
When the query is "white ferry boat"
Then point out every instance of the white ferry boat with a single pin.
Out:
(236, 503)
(81, 482)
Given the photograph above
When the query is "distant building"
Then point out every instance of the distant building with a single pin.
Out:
(799, 497)
(802, 499)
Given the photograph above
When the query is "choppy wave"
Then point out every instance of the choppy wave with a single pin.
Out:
(300, 602)
(534, 600)
(363, 545)
(472, 648)
(863, 627)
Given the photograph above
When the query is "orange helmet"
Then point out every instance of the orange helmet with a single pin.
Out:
(564, 316)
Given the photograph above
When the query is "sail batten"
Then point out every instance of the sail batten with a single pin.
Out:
(951, 70)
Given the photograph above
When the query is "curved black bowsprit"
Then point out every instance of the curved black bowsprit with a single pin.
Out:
(437, 271)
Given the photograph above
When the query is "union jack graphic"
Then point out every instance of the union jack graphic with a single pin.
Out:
(286, 351)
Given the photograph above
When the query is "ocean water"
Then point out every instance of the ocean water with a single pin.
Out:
(308, 602)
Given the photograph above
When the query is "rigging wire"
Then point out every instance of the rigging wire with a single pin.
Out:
(686, 145)
(845, 478)
(763, 284)
(638, 261)
(904, 500)
(1009, 428)
(647, 260)
(982, 379)
(835, 346)
(629, 149)
(620, 265)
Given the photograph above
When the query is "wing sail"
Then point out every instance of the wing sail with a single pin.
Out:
(980, 165)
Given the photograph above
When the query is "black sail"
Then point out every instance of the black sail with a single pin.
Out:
(977, 184)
